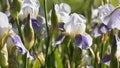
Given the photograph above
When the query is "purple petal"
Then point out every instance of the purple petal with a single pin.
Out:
(61, 26)
(59, 40)
(114, 21)
(17, 41)
(100, 29)
(106, 59)
(83, 41)
(103, 28)
(35, 25)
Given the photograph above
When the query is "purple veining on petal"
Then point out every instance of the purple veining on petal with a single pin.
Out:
(81, 41)
(59, 40)
(17, 41)
(106, 59)
(100, 29)
(35, 25)
(61, 26)
(103, 28)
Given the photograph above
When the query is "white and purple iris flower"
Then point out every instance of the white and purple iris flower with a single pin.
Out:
(32, 7)
(110, 18)
(5, 26)
(75, 28)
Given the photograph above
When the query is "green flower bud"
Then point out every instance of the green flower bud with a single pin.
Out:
(28, 34)
(54, 19)
(15, 7)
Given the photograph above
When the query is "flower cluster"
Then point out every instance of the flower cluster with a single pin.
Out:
(37, 33)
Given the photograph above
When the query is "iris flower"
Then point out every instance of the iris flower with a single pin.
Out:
(32, 7)
(75, 28)
(63, 10)
(6, 27)
(29, 7)
(109, 16)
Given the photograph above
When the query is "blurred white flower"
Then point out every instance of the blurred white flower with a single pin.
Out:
(63, 10)
(29, 7)
(4, 24)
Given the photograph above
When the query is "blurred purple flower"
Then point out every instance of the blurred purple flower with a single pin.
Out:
(110, 18)
(17, 41)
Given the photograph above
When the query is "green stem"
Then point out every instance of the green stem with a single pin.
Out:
(101, 56)
(21, 36)
(48, 37)
(25, 59)
(118, 64)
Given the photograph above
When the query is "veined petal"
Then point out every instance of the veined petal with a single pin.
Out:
(103, 28)
(35, 25)
(114, 19)
(29, 7)
(83, 41)
(105, 10)
(17, 41)
(59, 40)
(75, 24)
(100, 29)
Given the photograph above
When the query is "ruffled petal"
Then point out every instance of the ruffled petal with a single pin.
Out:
(17, 41)
(83, 41)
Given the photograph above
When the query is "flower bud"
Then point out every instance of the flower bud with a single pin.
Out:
(28, 33)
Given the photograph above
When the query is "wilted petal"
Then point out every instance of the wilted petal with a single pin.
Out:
(59, 40)
(106, 59)
(83, 41)
(17, 41)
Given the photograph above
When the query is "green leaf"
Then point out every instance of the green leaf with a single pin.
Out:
(58, 59)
